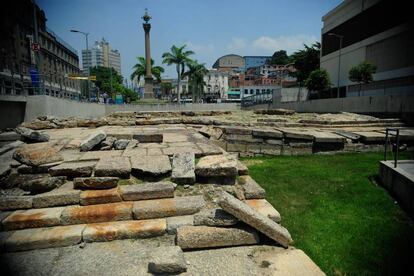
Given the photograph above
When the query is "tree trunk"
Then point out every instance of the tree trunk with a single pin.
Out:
(178, 83)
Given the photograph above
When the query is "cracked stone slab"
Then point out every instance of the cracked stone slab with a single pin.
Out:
(151, 165)
(73, 169)
(251, 189)
(183, 166)
(256, 220)
(92, 140)
(263, 207)
(95, 183)
(214, 217)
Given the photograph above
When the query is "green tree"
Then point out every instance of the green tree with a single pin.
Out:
(306, 61)
(362, 74)
(106, 78)
(279, 57)
(180, 57)
(196, 72)
(140, 69)
(318, 80)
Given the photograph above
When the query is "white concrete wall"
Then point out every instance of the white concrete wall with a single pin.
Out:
(46, 105)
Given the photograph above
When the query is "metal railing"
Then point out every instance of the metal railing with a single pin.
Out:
(395, 146)
(263, 98)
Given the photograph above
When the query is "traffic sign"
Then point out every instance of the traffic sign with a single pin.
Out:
(35, 47)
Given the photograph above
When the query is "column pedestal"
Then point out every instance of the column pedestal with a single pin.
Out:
(148, 88)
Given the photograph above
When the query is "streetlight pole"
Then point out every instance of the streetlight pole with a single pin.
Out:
(87, 53)
(339, 56)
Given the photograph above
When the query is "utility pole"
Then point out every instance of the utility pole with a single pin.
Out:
(340, 37)
(87, 54)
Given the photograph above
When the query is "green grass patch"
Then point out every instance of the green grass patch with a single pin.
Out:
(336, 212)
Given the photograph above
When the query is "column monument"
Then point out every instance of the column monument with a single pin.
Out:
(148, 87)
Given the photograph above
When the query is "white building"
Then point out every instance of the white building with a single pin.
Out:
(377, 31)
(217, 84)
(250, 90)
(101, 54)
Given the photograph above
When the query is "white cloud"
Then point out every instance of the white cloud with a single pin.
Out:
(200, 48)
(288, 43)
(236, 44)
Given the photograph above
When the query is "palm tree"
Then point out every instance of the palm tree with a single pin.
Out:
(140, 70)
(180, 57)
(196, 72)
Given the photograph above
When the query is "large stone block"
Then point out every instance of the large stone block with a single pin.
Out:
(151, 165)
(237, 130)
(263, 207)
(37, 154)
(73, 169)
(216, 169)
(251, 189)
(167, 260)
(190, 237)
(15, 202)
(95, 183)
(39, 238)
(33, 218)
(116, 230)
(97, 213)
(113, 166)
(251, 217)
(183, 166)
(93, 140)
(147, 191)
(267, 133)
(242, 138)
(91, 197)
(64, 195)
(167, 207)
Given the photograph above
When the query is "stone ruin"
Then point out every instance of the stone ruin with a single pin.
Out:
(133, 176)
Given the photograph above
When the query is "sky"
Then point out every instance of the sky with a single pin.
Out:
(211, 28)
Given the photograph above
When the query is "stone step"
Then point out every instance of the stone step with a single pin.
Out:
(134, 229)
(97, 213)
(33, 218)
(95, 183)
(64, 195)
(38, 238)
(191, 237)
(91, 197)
(147, 191)
(251, 189)
(15, 202)
(116, 166)
(168, 207)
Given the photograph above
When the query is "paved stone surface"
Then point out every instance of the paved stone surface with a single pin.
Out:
(113, 166)
(267, 133)
(263, 207)
(190, 237)
(95, 183)
(91, 197)
(100, 154)
(148, 137)
(175, 222)
(214, 217)
(167, 260)
(151, 165)
(263, 224)
(147, 191)
(74, 169)
(37, 154)
(183, 166)
(15, 202)
(64, 195)
(135, 152)
(38, 238)
(93, 140)
(251, 189)
(208, 149)
(33, 218)
(168, 207)
(97, 213)
(237, 130)
(108, 231)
